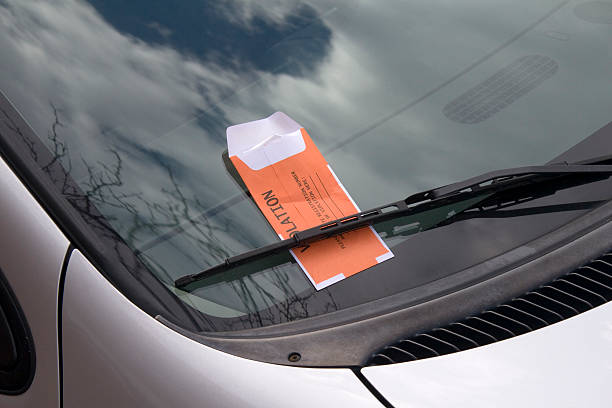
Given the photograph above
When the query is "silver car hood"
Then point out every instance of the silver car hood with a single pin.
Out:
(567, 364)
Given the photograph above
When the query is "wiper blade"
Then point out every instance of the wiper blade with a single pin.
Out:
(491, 182)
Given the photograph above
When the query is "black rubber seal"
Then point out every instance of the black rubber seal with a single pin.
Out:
(60, 307)
(371, 388)
(18, 379)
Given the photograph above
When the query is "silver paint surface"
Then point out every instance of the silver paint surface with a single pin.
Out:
(32, 250)
(115, 355)
(567, 364)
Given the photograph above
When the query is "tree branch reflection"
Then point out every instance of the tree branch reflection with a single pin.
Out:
(112, 206)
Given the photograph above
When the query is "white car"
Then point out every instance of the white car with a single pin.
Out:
(117, 204)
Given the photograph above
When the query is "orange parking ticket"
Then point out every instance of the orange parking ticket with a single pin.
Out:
(296, 189)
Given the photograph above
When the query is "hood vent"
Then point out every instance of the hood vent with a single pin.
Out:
(576, 292)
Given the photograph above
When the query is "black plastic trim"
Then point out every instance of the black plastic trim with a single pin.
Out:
(18, 379)
(342, 338)
(576, 292)
(346, 338)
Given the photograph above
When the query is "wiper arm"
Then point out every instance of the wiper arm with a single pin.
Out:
(492, 182)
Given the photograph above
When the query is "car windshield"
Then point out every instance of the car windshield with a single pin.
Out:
(134, 99)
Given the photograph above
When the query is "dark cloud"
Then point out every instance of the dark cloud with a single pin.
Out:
(294, 44)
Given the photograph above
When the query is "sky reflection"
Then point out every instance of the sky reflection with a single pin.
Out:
(144, 92)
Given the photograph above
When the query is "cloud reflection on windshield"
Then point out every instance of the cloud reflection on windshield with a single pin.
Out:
(155, 89)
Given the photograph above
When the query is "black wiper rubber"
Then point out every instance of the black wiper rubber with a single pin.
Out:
(491, 182)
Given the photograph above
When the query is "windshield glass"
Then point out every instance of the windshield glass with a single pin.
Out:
(134, 99)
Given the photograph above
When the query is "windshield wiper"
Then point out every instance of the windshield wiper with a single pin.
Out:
(492, 182)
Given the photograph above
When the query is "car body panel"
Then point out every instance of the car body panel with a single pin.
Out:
(567, 364)
(115, 355)
(150, 90)
(32, 250)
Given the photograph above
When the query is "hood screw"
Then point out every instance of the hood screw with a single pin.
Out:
(294, 357)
